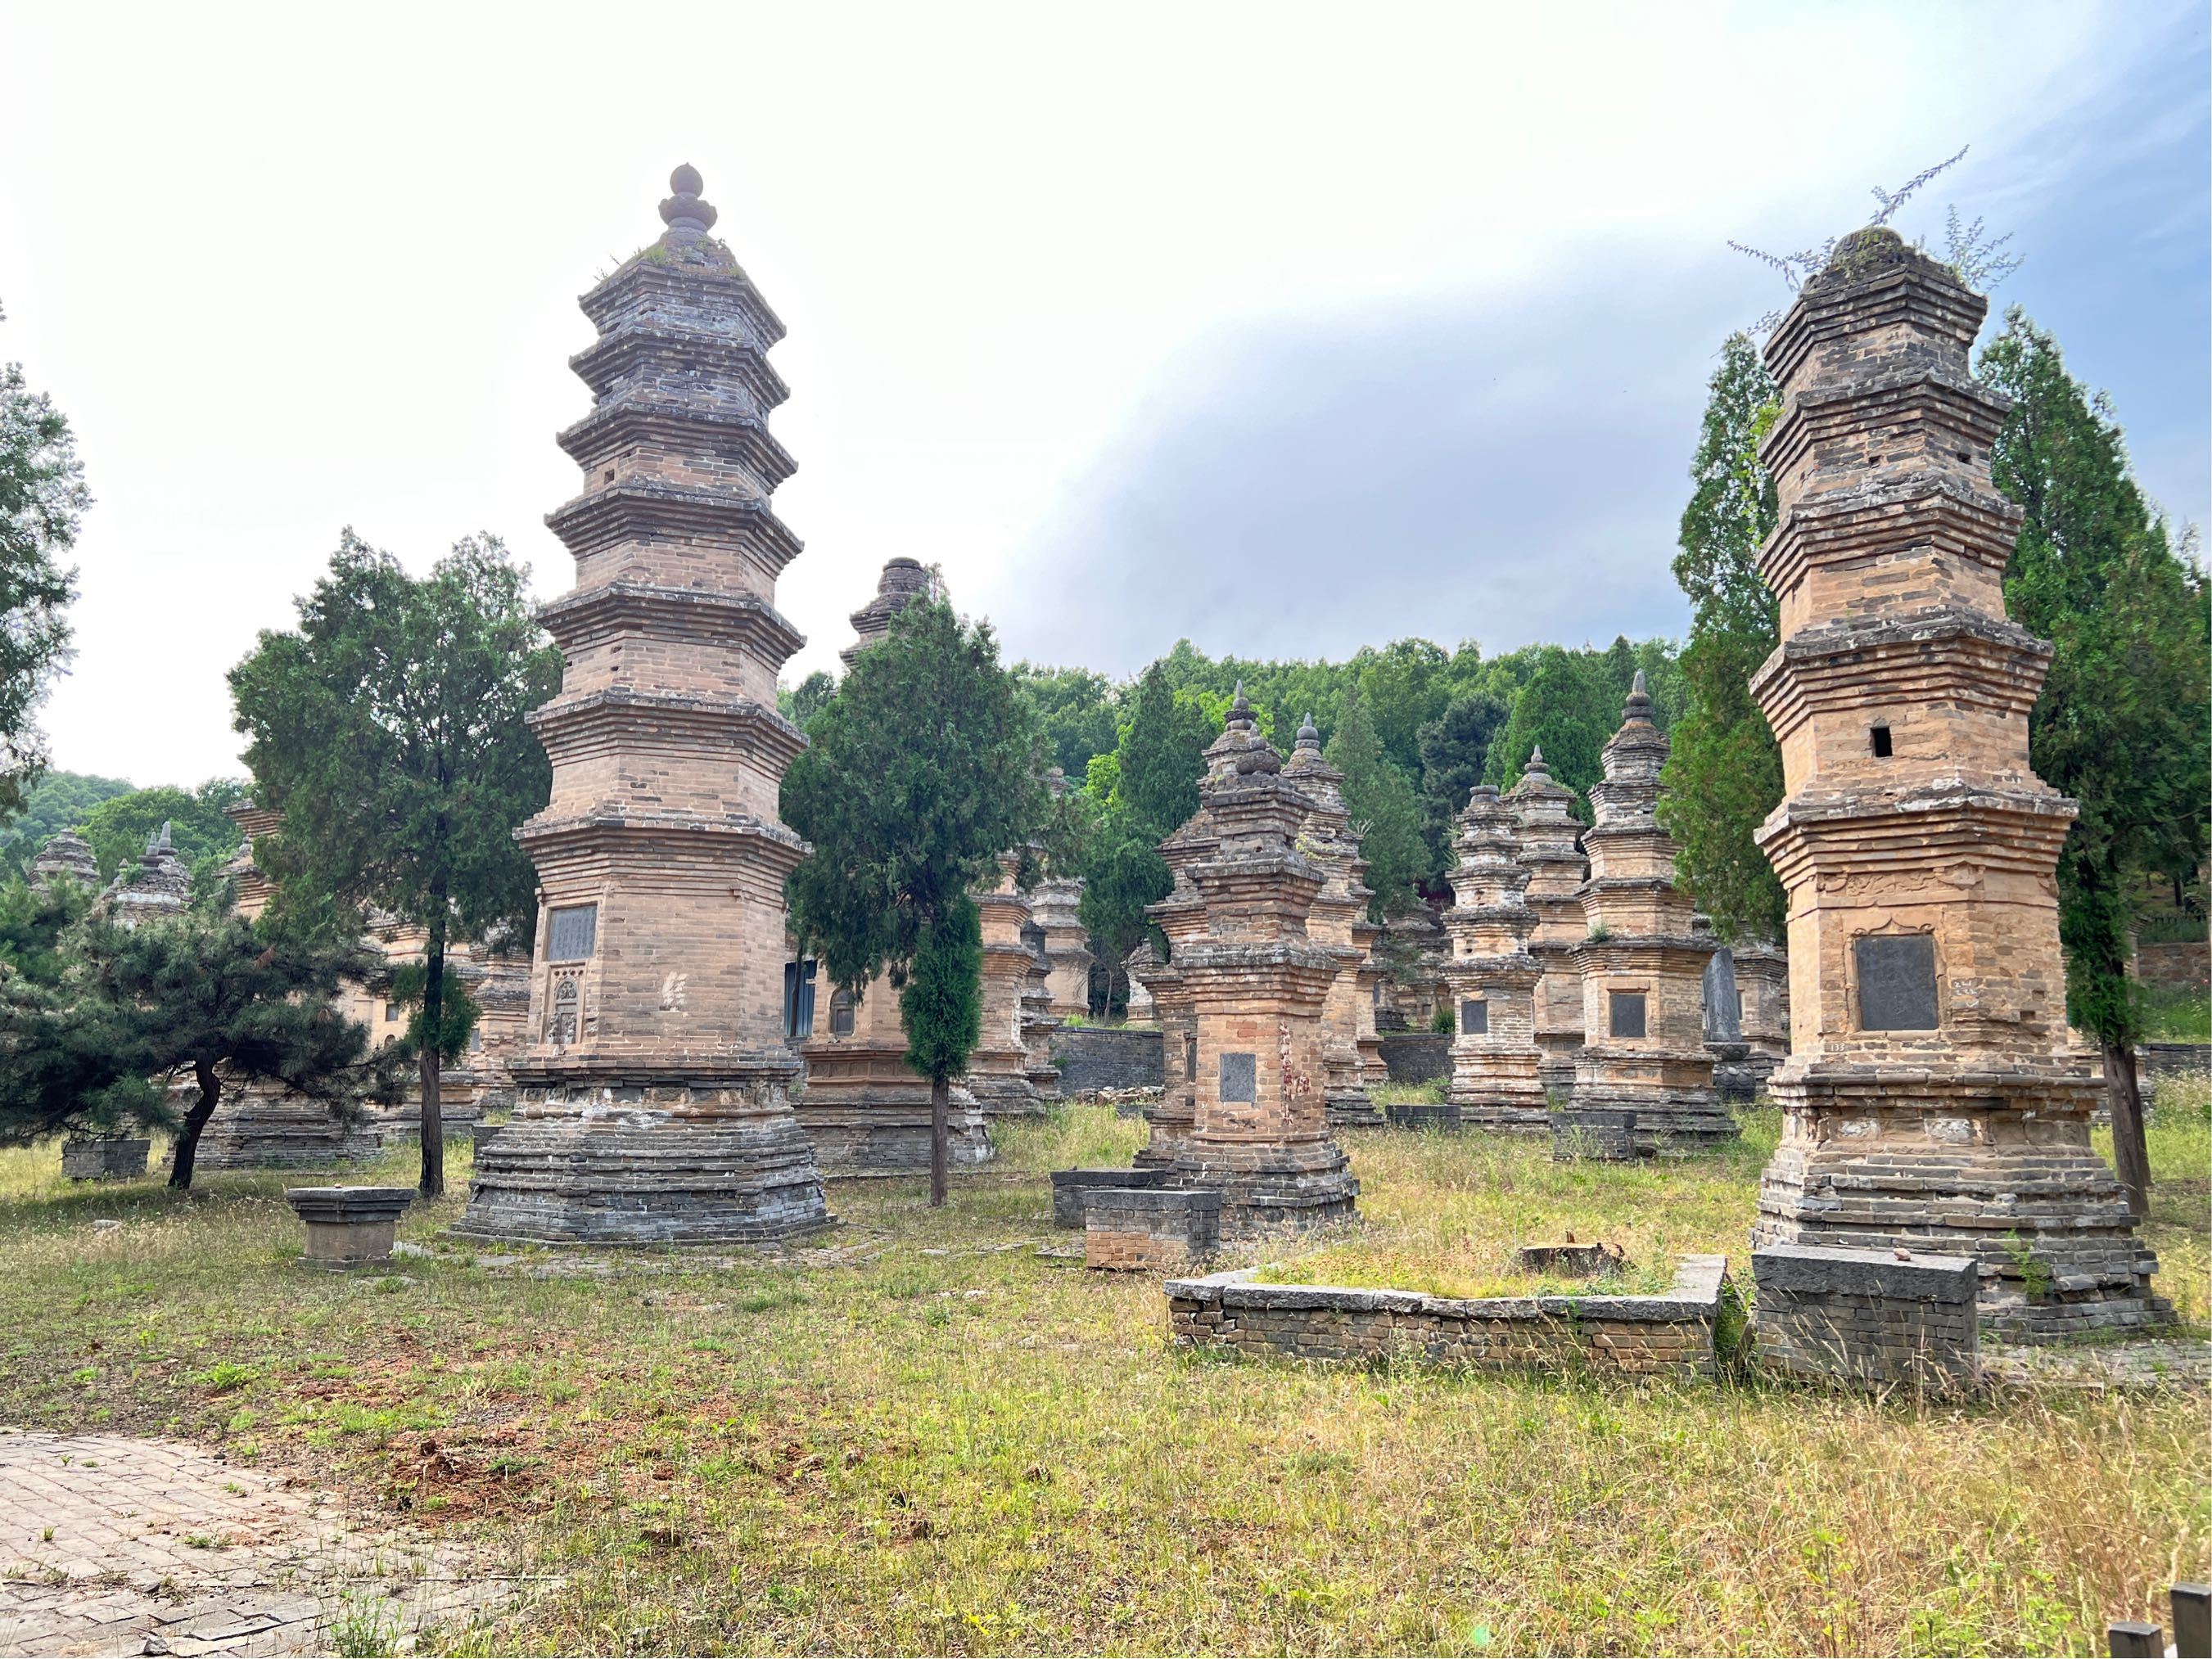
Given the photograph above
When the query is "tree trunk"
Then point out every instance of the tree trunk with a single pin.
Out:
(2130, 1152)
(433, 1183)
(188, 1132)
(941, 1138)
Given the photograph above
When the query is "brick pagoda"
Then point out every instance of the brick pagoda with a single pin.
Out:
(1929, 1100)
(1181, 916)
(864, 1108)
(652, 1097)
(1549, 841)
(1055, 903)
(1256, 983)
(1641, 959)
(999, 1069)
(65, 857)
(1495, 1060)
(1336, 923)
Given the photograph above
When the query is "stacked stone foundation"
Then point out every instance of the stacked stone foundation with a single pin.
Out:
(257, 1130)
(104, 1157)
(1672, 1335)
(882, 1130)
(1149, 1228)
(1869, 1318)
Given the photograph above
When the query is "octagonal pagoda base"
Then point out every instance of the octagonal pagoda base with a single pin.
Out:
(1997, 1165)
(708, 1153)
(1268, 1186)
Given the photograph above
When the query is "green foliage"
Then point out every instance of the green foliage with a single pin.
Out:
(42, 500)
(1385, 813)
(1567, 706)
(58, 801)
(33, 925)
(389, 729)
(918, 776)
(1442, 1022)
(1454, 749)
(1725, 774)
(1077, 712)
(941, 1003)
(800, 705)
(1141, 795)
(2122, 723)
(457, 1011)
(118, 827)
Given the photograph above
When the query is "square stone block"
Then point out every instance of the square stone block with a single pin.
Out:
(350, 1227)
(1149, 1228)
(1070, 1188)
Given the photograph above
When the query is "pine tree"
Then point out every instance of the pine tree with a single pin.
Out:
(42, 500)
(1725, 774)
(391, 730)
(1455, 750)
(2121, 725)
(919, 772)
(1385, 813)
(1143, 792)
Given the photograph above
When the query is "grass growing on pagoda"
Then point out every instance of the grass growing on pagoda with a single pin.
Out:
(918, 1435)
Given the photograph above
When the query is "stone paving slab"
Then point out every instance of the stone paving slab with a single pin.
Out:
(111, 1545)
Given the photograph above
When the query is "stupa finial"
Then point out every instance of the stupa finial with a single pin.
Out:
(1639, 700)
(1308, 733)
(686, 217)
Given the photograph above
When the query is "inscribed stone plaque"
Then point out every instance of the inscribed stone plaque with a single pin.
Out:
(1897, 981)
(573, 933)
(1474, 1018)
(1628, 1011)
(1240, 1077)
(1190, 1060)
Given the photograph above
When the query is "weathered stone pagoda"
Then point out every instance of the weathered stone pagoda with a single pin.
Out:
(1929, 1100)
(157, 885)
(1549, 841)
(1256, 984)
(1493, 978)
(864, 1108)
(1054, 903)
(998, 1069)
(1180, 917)
(65, 857)
(1039, 1023)
(1340, 909)
(653, 1098)
(1642, 960)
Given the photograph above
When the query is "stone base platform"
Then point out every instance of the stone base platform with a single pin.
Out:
(1070, 1188)
(1875, 1319)
(1739, 1071)
(104, 1157)
(1354, 1110)
(1266, 1186)
(882, 1130)
(1670, 1123)
(265, 1131)
(1149, 1228)
(1514, 1114)
(1423, 1114)
(1668, 1335)
(699, 1162)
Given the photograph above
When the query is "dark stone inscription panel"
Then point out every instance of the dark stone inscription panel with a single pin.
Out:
(1473, 1018)
(1240, 1077)
(1626, 1009)
(1897, 982)
(573, 933)
(1190, 1060)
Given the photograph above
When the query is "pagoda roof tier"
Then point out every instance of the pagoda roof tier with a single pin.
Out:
(1462, 916)
(1946, 515)
(1297, 959)
(1917, 832)
(589, 616)
(1937, 656)
(685, 357)
(645, 509)
(638, 419)
(640, 286)
(1920, 402)
(665, 843)
(637, 721)
(1890, 289)
(1622, 951)
(1500, 968)
(651, 1063)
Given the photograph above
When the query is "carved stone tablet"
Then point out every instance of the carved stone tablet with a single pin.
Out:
(1473, 1017)
(1190, 1060)
(574, 931)
(1897, 981)
(1240, 1077)
(1626, 1010)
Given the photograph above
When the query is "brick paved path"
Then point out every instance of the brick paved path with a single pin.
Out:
(116, 1546)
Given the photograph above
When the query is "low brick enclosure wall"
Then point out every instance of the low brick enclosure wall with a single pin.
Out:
(104, 1157)
(1070, 1186)
(1418, 1057)
(1866, 1317)
(1670, 1335)
(2156, 1062)
(1092, 1058)
(1150, 1230)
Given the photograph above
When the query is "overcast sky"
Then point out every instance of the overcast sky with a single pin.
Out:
(1287, 329)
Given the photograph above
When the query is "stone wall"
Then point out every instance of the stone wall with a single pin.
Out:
(2186, 962)
(1418, 1057)
(1149, 1230)
(1095, 1057)
(2157, 1061)
(1670, 1335)
(1878, 1318)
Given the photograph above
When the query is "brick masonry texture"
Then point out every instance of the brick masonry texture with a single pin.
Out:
(1071, 1188)
(1670, 1335)
(1493, 978)
(1338, 923)
(1548, 842)
(1149, 1228)
(104, 1157)
(1866, 1317)
(652, 1098)
(1095, 1057)
(1931, 1101)
(1418, 1057)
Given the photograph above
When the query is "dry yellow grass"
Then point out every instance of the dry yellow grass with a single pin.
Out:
(923, 1436)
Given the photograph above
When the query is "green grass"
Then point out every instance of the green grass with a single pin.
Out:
(918, 1435)
(2176, 1013)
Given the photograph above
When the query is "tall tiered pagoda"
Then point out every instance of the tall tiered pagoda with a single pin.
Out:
(1337, 925)
(1495, 1060)
(1642, 958)
(1929, 1100)
(1549, 842)
(651, 1098)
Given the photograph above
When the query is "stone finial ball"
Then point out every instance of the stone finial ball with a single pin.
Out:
(686, 181)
